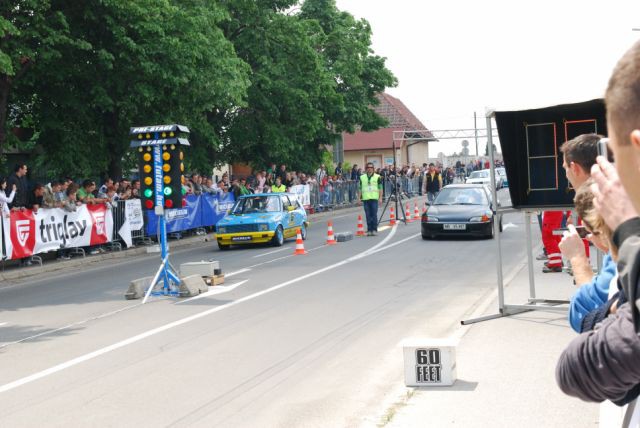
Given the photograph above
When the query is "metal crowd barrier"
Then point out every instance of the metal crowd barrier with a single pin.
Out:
(138, 237)
(345, 194)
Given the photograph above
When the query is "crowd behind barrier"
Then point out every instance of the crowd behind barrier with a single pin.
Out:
(40, 219)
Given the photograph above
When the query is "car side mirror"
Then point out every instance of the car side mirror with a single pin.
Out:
(427, 203)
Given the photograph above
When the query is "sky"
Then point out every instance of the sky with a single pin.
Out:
(452, 58)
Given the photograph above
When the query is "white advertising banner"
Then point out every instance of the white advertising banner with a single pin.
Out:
(303, 194)
(27, 233)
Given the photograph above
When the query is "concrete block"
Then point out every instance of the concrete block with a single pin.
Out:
(192, 285)
(138, 288)
(153, 249)
(344, 236)
(202, 268)
(429, 362)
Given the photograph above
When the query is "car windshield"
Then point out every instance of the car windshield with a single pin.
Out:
(479, 174)
(257, 204)
(461, 196)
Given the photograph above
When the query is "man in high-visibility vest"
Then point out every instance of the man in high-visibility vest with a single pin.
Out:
(371, 196)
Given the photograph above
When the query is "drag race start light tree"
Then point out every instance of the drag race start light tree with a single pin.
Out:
(171, 179)
(160, 159)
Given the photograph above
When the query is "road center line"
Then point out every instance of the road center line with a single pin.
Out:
(86, 357)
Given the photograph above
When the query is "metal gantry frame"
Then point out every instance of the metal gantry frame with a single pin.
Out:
(534, 303)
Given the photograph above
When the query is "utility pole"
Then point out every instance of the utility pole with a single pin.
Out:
(475, 131)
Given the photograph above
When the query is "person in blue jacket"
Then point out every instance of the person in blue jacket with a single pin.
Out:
(590, 304)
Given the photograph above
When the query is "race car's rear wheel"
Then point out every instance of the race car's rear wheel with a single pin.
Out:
(278, 237)
(223, 247)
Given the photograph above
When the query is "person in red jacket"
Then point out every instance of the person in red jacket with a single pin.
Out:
(552, 220)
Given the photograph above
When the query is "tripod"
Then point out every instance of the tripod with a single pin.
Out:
(397, 197)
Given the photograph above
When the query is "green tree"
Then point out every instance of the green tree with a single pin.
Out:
(359, 75)
(30, 33)
(142, 63)
(313, 76)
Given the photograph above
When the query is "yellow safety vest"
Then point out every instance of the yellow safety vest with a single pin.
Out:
(370, 187)
(276, 189)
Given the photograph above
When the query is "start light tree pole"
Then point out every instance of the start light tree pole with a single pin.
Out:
(160, 165)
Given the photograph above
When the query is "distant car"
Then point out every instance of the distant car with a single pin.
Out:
(483, 177)
(262, 218)
(503, 175)
(460, 209)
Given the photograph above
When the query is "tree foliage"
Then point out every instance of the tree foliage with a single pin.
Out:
(253, 81)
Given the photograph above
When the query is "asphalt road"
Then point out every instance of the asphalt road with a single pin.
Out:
(287, 341)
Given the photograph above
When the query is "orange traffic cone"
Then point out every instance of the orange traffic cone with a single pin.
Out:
(392, 217)
(416, 212)
(407, 214)
(299, 245)
(360, 231)
(331, 240)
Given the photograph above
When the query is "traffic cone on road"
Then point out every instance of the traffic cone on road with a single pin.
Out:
(392, 217)
(360, 231)
(331, 240)
(416, 212)
(299, 245)
(407, 214)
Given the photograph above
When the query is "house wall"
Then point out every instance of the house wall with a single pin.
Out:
(418, 153)
(358, 156)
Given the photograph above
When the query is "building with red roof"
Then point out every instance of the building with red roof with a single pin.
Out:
(377, 146)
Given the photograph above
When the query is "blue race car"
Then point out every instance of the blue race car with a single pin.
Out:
(262, 218)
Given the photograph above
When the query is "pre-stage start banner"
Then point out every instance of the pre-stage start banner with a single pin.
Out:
(27, 233)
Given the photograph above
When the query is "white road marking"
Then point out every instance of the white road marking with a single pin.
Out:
(271, 252)
(383, 228)
(216, 290)
(238, 272)
(86, 357)
(509, 226)
(3, 323)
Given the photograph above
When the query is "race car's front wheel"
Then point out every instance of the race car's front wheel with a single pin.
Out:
(223, 247)
(278, 238)
(303, 232)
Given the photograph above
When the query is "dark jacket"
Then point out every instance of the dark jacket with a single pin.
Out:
(20, 200)
(603, 364)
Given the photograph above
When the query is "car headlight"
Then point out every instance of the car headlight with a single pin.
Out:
(263, 227)
(432, 219)
(222, 230)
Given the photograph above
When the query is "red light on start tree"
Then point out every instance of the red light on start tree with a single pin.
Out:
(168, 203)
(184, 203)
(148, 204)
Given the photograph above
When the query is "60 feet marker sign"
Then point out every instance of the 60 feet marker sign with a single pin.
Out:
(27, 233)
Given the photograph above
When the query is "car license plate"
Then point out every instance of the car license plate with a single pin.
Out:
(455, 227)
(241, 238)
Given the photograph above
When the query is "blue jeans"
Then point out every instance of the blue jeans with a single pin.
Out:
(431, 196)
(371, 213)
